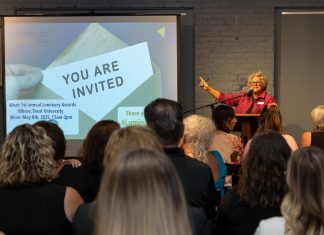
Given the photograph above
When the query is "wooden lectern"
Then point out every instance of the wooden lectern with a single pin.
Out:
(247, 124)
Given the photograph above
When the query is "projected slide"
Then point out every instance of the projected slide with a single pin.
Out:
(75, 71)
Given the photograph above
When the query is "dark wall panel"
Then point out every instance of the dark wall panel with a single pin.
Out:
(300, 67)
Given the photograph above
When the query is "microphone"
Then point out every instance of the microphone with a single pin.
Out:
(249, 94)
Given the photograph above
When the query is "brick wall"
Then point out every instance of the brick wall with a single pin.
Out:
(232, 37)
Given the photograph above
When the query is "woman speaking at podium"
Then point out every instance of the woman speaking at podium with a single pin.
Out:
(252, 102)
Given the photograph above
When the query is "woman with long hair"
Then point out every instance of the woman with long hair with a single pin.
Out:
(198, 135)
(141, 194)
(271, 120)
(302, 207)
(122, 140)
(92, 153)
(261, 187)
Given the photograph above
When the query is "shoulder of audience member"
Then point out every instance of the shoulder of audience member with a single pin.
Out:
(274, 225)
(72, 201)
(230, 200)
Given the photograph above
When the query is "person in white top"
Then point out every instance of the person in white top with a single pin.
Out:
(302, 208)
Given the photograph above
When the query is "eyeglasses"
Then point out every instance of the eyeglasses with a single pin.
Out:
(256, 83)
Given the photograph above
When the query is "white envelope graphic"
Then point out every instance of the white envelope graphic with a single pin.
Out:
(100, 92)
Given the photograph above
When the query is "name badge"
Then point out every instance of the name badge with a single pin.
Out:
(260, 102)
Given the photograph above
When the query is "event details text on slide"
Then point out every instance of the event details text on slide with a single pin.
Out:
(65, 113)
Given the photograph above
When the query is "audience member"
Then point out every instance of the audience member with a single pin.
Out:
(26, 166)
(130, 138)
(58, 143)
(316, 137)
(302, 208)
(69, 172)
(261, 186)
(226, 143)
(122, 140)
(142, 186)
(165, 117)
(252, 102)
(198, 134)
(271, 119)
(92, 153)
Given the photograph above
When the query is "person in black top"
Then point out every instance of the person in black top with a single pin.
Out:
(29, 204)
(165, 117)
(92, 153)
(69, 172)
(262, 186)
(122, 140)
(315, 137)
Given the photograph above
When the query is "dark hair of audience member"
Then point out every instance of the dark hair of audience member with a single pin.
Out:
(165, 117)
(271, 119)
(303, 206)
(57, 136)
(93, 147)
(26, 157)
(129, 138)
(262, 180)
(142, 186)
(222, 116)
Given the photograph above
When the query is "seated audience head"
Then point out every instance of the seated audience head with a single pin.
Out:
(165, 117)
(94, 144)
(303, 206)
(141, 193)
(262, 180)
(26, 157)
(317, 115)
(224, 118)
(57, 136)
(198, 134)
(271, 119)
(260, 78)
(130, 138)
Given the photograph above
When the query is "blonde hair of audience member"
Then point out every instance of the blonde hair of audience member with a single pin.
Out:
(141, 194)
(129, 138)
(303, 206)
(317, 116)
(27, 156)
(198, 134)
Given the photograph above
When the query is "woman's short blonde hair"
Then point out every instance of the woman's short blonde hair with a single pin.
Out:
(263, 79)
(317, 115)
(199, 132)
(27, 156)
(129, 138)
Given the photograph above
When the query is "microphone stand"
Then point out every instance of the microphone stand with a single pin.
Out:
(212, 105)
